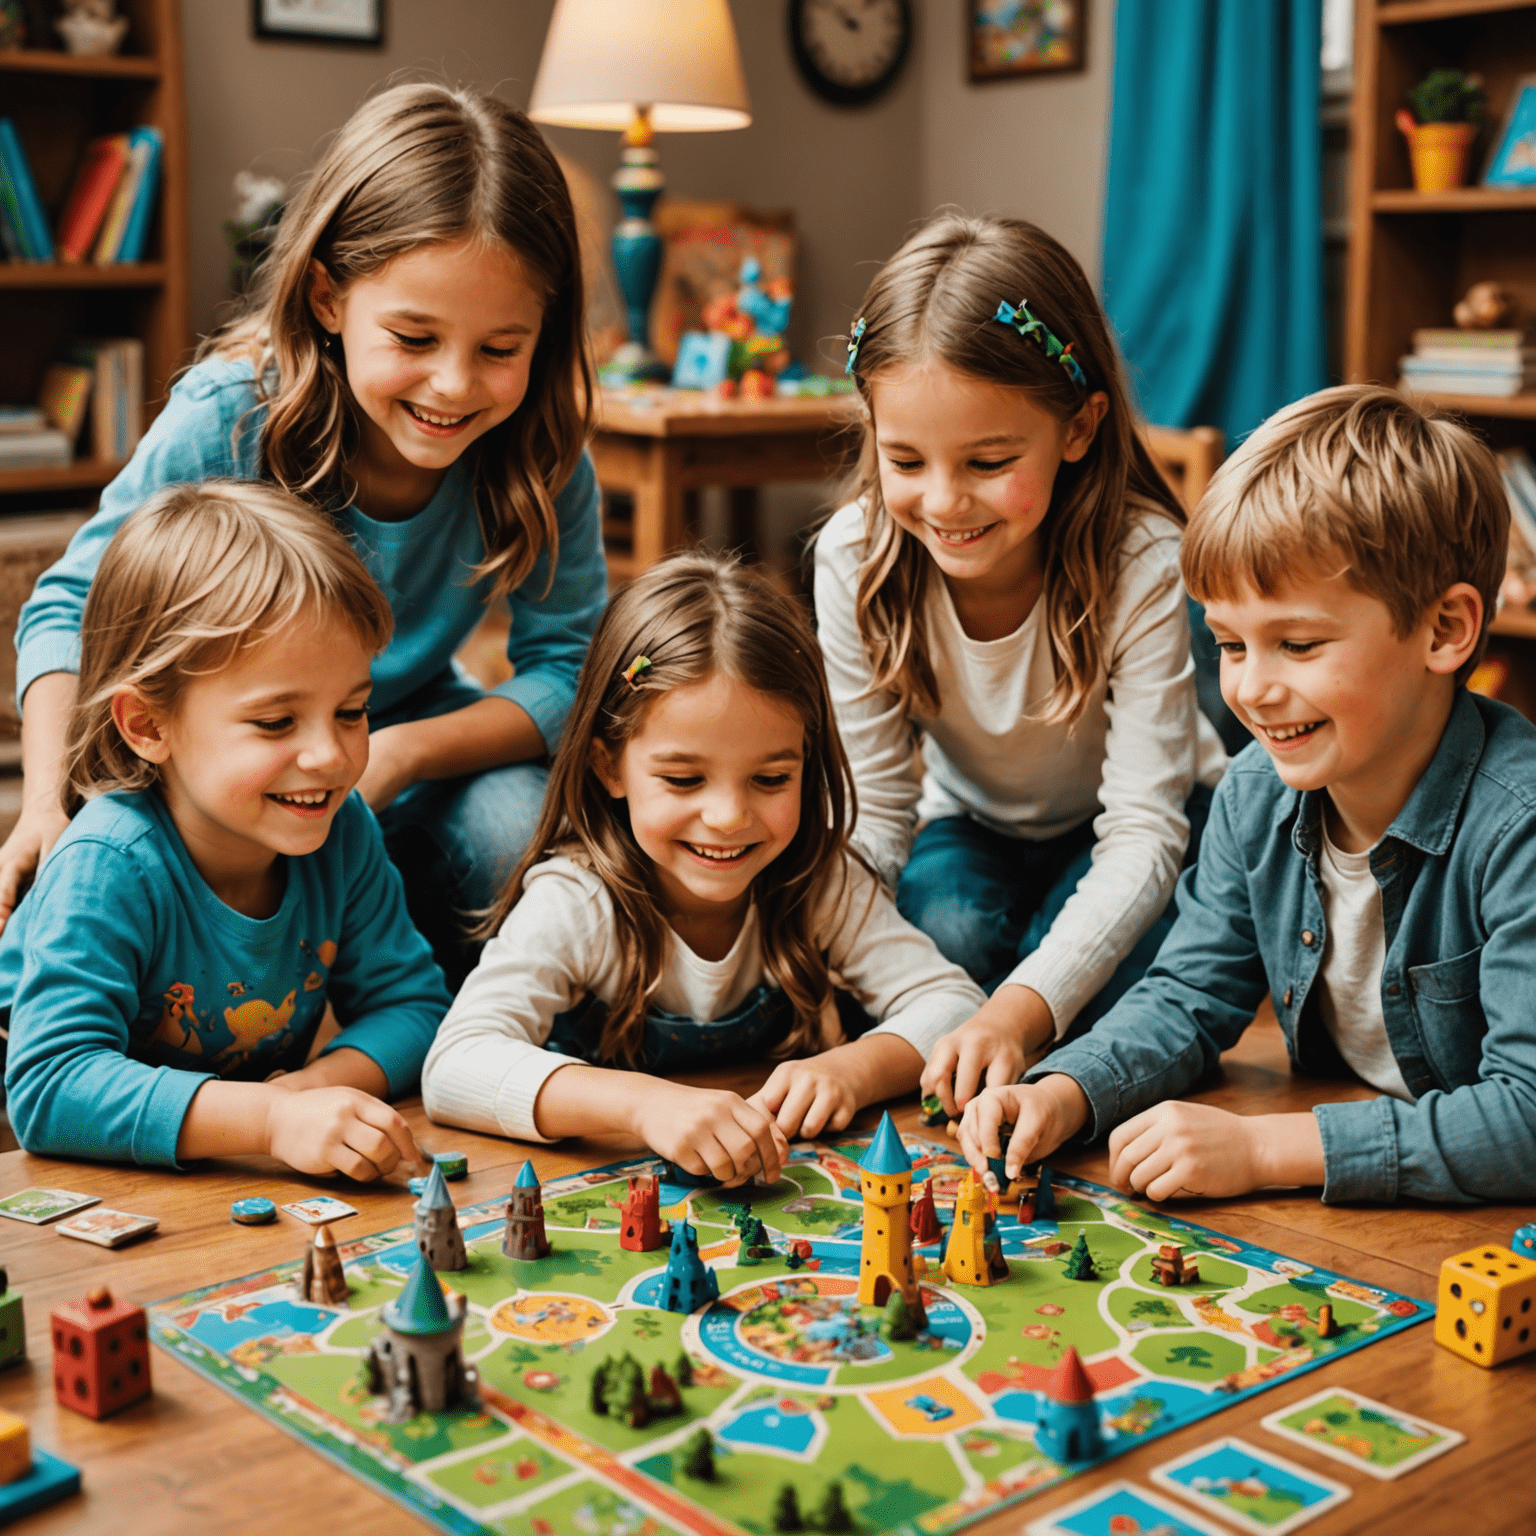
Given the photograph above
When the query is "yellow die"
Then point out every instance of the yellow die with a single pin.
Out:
(15, 1448)
(1486, 1310)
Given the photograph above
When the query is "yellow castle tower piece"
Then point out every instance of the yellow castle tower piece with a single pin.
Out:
(970, 1258)
(885, 1254)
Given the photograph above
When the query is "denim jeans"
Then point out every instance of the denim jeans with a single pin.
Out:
(456, 841)
(987, 899)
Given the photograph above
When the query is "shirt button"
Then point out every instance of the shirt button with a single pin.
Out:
(1308, 937)
(1393, 989)
(1285, 1002)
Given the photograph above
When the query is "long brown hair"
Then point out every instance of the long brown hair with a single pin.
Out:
(935, 299)
(416, 165)
(692, 615)
(194, 576)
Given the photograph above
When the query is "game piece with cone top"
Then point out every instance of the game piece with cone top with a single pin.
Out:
(974, 1253)
(13, 1326)
(699, 1456)
(1486, 1308)
(100, 1353)
(832, 1513)
(524, 1235)
(924, 1221)
(1067, 1422)
(640, 1225)
(438, 1238)
(1170, 1267)
(1080, 1261)
(417, 1359)
(885, 1250)
(786, 1509)
(29, 1479)
(689, 1283)
(323, 1280)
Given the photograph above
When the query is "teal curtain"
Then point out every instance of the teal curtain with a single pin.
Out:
(1213, 241)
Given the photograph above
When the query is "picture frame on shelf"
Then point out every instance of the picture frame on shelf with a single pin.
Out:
(351, 23)
(1007, 39)
(1513, 161)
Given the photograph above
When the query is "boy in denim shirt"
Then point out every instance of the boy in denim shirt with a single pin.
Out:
(1370, 861)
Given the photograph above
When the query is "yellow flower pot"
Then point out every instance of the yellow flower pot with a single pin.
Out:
(1439, 153)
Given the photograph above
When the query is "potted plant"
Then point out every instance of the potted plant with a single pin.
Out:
(1447, 110)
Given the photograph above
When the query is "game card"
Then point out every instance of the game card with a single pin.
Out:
(1123, 1507)
(320, 1208)
(39, 1205)
(109, 1228)
(1256, 1490)
(1364, 1434)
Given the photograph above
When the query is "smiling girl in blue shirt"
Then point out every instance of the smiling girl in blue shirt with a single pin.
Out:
(411, 360)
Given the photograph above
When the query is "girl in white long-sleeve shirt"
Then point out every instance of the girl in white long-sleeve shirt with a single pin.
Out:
(690, 897)
(1005, 589)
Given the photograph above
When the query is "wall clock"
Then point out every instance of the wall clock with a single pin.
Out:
(849, 51)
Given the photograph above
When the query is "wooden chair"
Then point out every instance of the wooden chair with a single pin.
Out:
(1187, 457)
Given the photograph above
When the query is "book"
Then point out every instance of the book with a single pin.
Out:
(1471, 360)
(1450, 382)
(65, 394)
(100, 172)
(117, 393)
(12, 231)
(22, 418)
(33, 227)
(110, 238)
(1520, 481)
(45, 448)
(136, 232)
(1450, 336)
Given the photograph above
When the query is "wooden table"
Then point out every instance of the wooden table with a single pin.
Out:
(191, 1460)
(659, 445)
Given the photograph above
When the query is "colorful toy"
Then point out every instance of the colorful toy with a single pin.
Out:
(1067, 1425)
(933, 1111)
(689, 1282)
(100, 1354)
(1080, 1265)
(323, 1280)
(743, 348)
(29, 1479)
(641, 1228)
(438, 1238)
(1484, 1311)
(1524, 1241)
(1170, 1267)
(254, 1211)
(417, 1360)
(524, 1237)
(452, 1165)
(925, 1224)
(974, 1255)
(13, 1325)
(885, 1249)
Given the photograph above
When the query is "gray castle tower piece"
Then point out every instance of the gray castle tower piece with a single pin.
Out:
(438, 1238)
(416, 1360)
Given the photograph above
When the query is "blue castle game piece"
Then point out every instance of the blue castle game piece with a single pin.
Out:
(1067, 1425)
(689, 1282)
(1524, 1241)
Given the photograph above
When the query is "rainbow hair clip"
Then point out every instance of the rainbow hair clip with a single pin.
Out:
(635, 670)
(855, 336)
(1027, 324)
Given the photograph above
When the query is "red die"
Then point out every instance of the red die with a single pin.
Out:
(100, 1353)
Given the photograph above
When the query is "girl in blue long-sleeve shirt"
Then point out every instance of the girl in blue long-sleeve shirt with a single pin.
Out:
(219, 883)
(412, 361)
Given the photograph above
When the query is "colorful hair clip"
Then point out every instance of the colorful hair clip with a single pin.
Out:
(637, 668)
(1044, 337)
(855, 336)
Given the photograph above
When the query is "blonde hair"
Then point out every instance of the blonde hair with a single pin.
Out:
(196, 575)
(935, 299)
(421, 164)
(692, 615)
(1355, 481)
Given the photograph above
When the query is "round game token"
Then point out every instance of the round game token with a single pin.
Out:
(254, 1212)
(415, 1185)
(455, 1165)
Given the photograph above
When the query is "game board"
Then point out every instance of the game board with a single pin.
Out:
(794, 1382)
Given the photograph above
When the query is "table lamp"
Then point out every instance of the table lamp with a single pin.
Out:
(643, 67)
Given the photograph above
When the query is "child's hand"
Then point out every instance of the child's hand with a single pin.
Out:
(707, 1130)
(342, 1130)
(1043, 1114)
(823, 1093)
(1177, 1149)
(995, 1043)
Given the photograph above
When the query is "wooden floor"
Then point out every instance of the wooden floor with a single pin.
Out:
(190, 1460)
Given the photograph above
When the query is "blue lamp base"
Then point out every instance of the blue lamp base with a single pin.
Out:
(637, 261)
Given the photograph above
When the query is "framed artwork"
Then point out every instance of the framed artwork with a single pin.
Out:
(1513, 161)
(1009, 38)
(359, 23)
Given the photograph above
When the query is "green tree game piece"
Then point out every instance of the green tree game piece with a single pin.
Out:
(898, 1323)
(786, 1509)
(832, 1515)
(699, 1457)
(598, 1387)
(1080, 1261)
(683, 1370)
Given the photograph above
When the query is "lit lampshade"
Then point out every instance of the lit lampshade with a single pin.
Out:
(641, 67)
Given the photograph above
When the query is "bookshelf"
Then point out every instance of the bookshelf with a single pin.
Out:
(59, 102)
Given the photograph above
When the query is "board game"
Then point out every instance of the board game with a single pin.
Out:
(796, 1382)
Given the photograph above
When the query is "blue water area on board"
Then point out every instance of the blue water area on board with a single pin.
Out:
(948, 1322)
(272, 1319)
(1178, 1400)
(1125, 1510)
(1017, 1406)
(1226, 1463)
(769, 1425)
(648, 1292)
(717, 1333)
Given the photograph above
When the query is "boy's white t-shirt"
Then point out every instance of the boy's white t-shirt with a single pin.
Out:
(1353, 957)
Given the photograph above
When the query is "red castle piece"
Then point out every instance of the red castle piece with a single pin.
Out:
(925, 1218)
(1069, 1381)
(640, 1224)
(100, 1353)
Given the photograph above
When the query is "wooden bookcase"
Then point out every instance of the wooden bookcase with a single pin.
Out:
(59, 102)
(1412, 254)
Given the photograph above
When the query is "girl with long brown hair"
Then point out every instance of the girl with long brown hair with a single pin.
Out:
(1003, 589)
(411, 361)
(689, 897)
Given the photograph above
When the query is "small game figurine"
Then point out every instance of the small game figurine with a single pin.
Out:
(100, 1354)
(832, 1513)
(974, 1254)
(29, 1479)
(925, 1217)
(663, 1394)
(417, 1360)
(640, 1225)
(885, 1250)
(253, 1211)
(454, 1165)
(1067, 1423)
(624, 1392)
(689, 1283)
(1326, 1327)
(438, 1238)
(1080, 1261)
(786, 1509)
(682, 1369)
(524, 1236)
(699, 1456)
(1524, 1241)
(933, 1112)
(323, 1280)
(1170, 1267)
(1045, 1196)
(13, 1327)
(898, 1323)
(1486, 1308)
(755, 1244)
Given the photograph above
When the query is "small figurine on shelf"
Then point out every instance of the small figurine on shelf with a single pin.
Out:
(1484, 307)
(743, 349)
(1446, 112)
(92, 28)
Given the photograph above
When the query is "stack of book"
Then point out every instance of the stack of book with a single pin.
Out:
(106, 216)
(1452, 362)
(1520, 483)
(29, 441)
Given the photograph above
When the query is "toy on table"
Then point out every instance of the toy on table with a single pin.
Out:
(1067, 1423)
(1484, 1311)
(524, 1236)
(885, 1247)
(253, 1211)
(1524, 1241)
(619, 1387)
(754, 1246)
(786, 1509)
(100, 1353)
(1170, 1267)
(452, 1165)
(29, 1479)
(924, 1221)
(689, 1283)
(933, 1112)
(1080, 1262)
(743, 349)
(1037, 1202)
(699, 1457)
(1327, 1328)
(323, 1280)
(974, 1254)
(436, 1225)
(13, 1326)
(417, 1359)
(640, 1225)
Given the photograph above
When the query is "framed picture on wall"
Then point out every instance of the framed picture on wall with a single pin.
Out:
(357, 22)
(1008, 38)
(1513, 161)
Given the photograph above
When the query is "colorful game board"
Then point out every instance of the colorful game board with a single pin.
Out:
(796, 1383)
